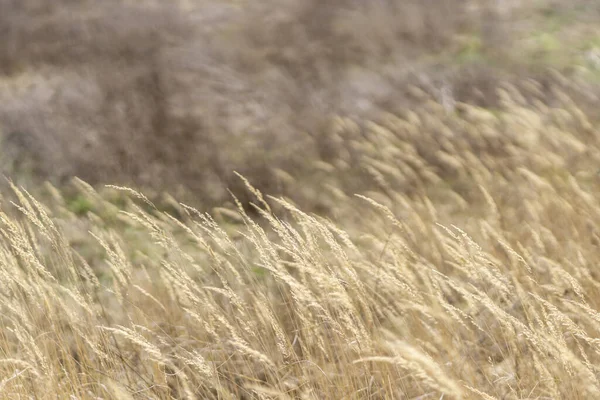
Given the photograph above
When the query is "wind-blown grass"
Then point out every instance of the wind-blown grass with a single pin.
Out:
(466, 270)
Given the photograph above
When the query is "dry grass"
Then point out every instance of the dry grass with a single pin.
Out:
(468, 273)
(402, 226)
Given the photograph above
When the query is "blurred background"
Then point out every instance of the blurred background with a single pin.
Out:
(176, 96)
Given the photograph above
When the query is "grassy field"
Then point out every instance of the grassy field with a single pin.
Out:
(430, 232)
(479, 282)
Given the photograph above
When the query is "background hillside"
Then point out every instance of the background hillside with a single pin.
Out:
(179, 95)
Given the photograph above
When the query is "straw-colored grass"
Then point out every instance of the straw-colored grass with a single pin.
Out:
(467, 270)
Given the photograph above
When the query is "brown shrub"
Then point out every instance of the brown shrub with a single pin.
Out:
(160, 96)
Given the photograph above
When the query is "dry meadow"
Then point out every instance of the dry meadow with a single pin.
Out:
(285, 200)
